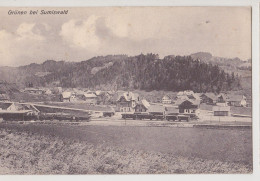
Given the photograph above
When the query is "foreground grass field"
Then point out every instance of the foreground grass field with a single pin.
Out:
(49, 149)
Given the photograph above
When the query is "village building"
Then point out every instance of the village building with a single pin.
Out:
(13, 106)
(208, 98)
(172, 110)
(17, 111)
(34, 91)
(48, 92)
(222, 98)
(90, 98)
(65, 96)
(142, 106)
(126, 102)
(156, 110)
(166, 99)
(4, 97)
(5, 105)
(221, 110)
(237, 100)
(188, 106)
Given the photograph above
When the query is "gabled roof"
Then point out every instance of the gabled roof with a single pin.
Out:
(194, 102)
(90, 95)
(129, 96)
(233, 97)
(211, 96)
(223, 95)
(145, 103)
(5, 105)
(66, 95)
(166, 97)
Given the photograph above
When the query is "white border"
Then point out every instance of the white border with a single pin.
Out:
(255, 61)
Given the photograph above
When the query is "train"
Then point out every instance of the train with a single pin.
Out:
(151, 116)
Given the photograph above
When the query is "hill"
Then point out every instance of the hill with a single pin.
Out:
(144, 72)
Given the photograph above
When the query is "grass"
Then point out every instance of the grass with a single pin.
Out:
(41, 149)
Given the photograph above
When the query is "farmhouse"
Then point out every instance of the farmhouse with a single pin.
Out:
(188, 106)
(166, 99)
(142, 106)
(65, 96)
(208, 98)
(221, 110)
(126, 102)
(237, 100)
(90, 98)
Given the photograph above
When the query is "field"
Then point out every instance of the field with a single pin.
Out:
(67, 149)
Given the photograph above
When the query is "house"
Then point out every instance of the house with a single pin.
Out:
(208, 98)
(166, 99)
(221, 98)
(237, 100)
(4, 97)
(221, 110)
(34, 91)
(18, 111)
(126, 102)
(188, 106)
(48, 92)
(5, 105)
(142, 106)
(172, 110)
(65, 96)
(13, 106)
(90, 98)
(156, 110)
(188, 94)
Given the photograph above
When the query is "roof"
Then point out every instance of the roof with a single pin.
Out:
(66, 95)
(180, 93)
(221, 108)
(145, 103)
(233, 97)
(166, 97)
(156, 108)
(180, 101)
(14, 112)
(129, 96)
(223, 95)
(171, 109)
(211, 96)
(90, 95)
(98, 92)
(5, 105)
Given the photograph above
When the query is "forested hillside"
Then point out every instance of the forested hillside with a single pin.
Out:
(144, 72)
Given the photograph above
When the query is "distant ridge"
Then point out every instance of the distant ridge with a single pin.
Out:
(199, 72)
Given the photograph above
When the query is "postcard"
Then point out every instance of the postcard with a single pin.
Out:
(125, 90)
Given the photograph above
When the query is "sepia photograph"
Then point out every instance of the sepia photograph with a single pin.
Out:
(126, 90)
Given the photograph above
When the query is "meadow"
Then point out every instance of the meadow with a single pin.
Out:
(67, 149)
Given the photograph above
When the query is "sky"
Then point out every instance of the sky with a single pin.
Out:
(98, 31)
